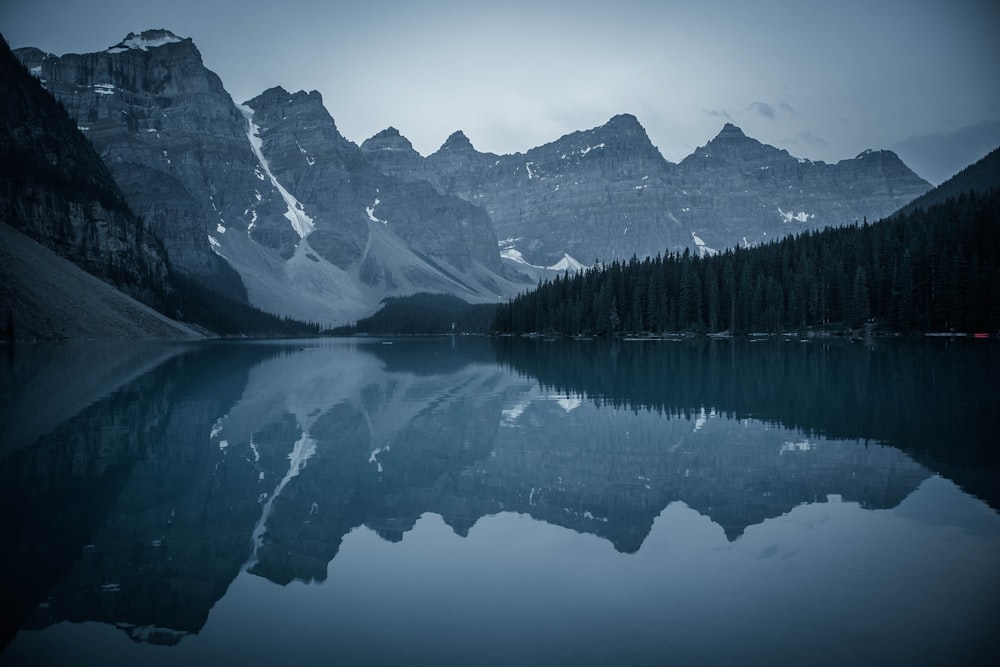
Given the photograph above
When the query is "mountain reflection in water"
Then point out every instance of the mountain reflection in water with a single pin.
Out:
(172, 491)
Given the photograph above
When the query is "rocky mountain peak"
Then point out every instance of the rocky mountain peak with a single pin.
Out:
(313, 121)
(388, 139)
(731, 144)
(730, 131)
(876, 154)
(457, 142)
(270, 192)
(55, 188)
(273, 95)
(622, 137)
(730, 137)
(146, 40)
(880, 159)
(623, 122)
(883, 162)
(32, 58)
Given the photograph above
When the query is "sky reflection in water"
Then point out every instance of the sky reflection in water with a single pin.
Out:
(471, 502)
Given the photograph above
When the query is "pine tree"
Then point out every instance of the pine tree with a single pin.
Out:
(859, 309)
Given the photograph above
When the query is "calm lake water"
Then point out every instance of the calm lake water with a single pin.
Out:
(465, 501)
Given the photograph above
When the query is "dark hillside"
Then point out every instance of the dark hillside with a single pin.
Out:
(57, 190)
(982, 176)
(934, 269)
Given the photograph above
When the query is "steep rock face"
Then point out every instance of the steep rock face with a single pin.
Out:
(349, 199)
(586, 195)
(607, 193)
(597, 194)
(740, 191)
(269, 187)
(44, 296)
(170, 134)
(395, 155)
(56, 189)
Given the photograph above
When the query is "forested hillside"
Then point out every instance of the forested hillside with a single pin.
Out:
(936, 269)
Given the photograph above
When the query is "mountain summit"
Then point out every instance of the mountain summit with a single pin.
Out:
(457, 141)
(608, 193)
(730, 131)
(148, 39)
(266, 202)
(388, 139)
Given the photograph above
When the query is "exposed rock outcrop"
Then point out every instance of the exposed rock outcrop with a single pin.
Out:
(55, 189)
(154, 114)
(269, 188)
(607, 193)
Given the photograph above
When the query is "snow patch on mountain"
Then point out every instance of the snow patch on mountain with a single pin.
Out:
(309, 160)
(801, 216)
(296, 215)
(150, 39)
(515, 255)
(567, 263)
(370, 210)
(703, 250)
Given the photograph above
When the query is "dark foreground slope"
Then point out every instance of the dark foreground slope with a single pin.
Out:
(57, 190)
(981, 176)
(44, 296)
(77, 262)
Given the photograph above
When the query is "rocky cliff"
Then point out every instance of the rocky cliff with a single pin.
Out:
(269, 188)
(740, 191)
(607, 193)
(358, 216)
(320, 229)
(55, 189)
(153, 113)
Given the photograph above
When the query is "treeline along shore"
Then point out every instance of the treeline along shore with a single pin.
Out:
(929, 270)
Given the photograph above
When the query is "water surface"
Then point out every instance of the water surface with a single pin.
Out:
(467, 501)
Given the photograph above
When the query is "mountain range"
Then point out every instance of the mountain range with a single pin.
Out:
(265, 202)
(608, 193)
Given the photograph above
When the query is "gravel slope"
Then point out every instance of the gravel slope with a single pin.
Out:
(52, 298)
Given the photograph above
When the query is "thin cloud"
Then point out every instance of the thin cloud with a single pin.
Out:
(763, 108)
(813, 140)
(717, 113)
(787, 108)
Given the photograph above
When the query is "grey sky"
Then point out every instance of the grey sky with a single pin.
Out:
(824, 80)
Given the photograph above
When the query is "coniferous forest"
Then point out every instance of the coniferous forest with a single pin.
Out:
(934, 269)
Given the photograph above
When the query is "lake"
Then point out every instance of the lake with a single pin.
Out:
(470, 501)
